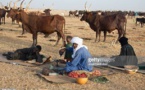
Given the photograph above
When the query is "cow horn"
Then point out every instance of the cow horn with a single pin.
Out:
(28, 5)
(21, 7)
(10, 4)
(87, 9)
(86, 6)
(15, 4)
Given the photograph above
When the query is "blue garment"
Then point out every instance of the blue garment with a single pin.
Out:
(80, 61)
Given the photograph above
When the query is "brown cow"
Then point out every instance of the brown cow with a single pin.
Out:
(107, 23)
(44, 24)
(3, 12)
(2, 15)
(15, 13)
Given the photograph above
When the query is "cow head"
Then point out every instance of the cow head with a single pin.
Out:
(47, 11)
(86, 16)
(87, 13)
(6, 7)
(12, 12)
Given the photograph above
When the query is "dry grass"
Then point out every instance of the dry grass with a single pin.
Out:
(24, 78)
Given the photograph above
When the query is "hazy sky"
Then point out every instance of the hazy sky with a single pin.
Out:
(134, 5)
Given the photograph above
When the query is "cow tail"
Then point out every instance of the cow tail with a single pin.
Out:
(64, 27)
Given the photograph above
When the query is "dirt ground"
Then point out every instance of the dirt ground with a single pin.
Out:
(25, 78)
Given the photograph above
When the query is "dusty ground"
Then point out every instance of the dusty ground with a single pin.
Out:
(24, 78)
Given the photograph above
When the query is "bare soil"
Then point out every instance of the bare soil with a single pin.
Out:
(25, 78)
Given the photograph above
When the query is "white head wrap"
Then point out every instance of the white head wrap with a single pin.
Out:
(78, 41)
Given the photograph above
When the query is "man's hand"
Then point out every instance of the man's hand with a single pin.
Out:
(61, 51)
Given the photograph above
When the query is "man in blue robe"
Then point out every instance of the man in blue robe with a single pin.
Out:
(80, 56)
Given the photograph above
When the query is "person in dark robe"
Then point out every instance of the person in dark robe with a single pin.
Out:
(26, 54)
(127, 54)
(80, 57)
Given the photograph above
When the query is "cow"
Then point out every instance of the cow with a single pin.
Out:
(74, 13)
(47, 12)
(2, 15)
(141, 14)
(44, 24)
(12, 13)
(131, 14)
(106, 23)
(3, 12)
(141, 21)
(16, 16)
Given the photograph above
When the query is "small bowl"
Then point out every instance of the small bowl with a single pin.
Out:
(82, 80)
(131, 69)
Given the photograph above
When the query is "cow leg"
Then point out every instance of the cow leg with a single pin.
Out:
(23, 31)
(18, 23)
(119, 35)
(63, 38)
(99, 35)
(96, 35)
(0, 20)
(4, 20)
(105, 33)
(123, 32)
(58, 38)
(136, 22)
(12, 21)
(34, 39)
(141, 24)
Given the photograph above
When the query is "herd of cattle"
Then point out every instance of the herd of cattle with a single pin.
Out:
(34, 22)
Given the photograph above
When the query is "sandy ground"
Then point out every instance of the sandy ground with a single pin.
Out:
(24, 78)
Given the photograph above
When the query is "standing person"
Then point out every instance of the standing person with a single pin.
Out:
(80, 56)
(26, 54)
(68, 53)
(127, 55)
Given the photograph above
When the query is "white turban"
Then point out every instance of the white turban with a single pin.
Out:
(78, 41)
